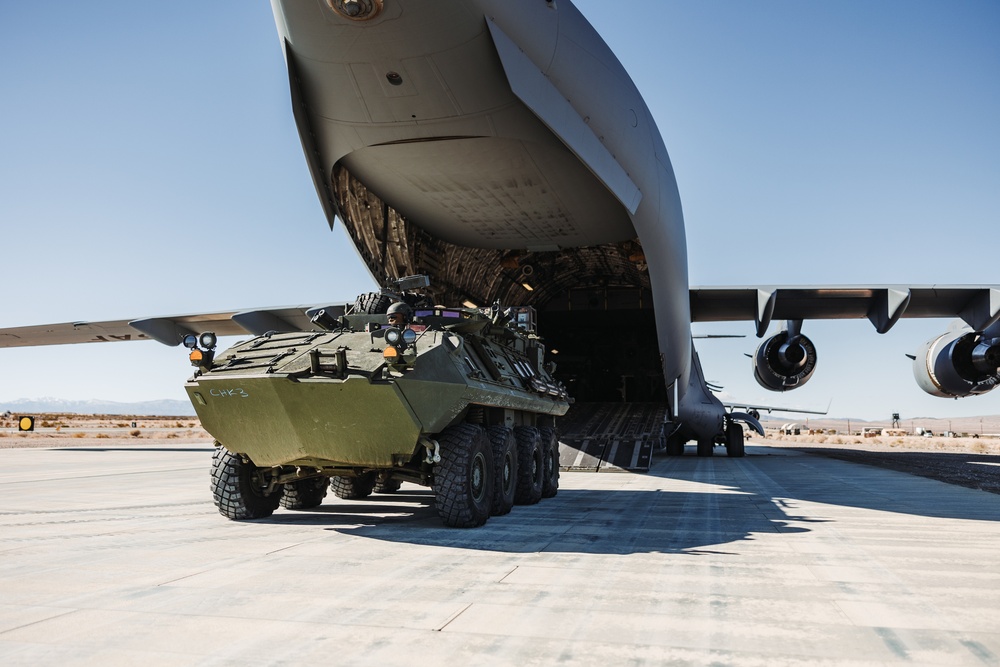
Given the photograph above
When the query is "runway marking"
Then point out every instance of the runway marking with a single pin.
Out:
(982, 463)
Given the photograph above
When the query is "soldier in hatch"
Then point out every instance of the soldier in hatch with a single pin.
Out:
(399, 315)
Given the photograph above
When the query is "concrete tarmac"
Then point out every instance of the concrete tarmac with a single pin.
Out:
(118, 557)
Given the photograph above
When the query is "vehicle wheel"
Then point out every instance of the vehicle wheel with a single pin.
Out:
(530, 465)
(303, 494)
(239, 489)
(550, 452)
(675, 447)
(705, 447)
(463, 480)
(504, 468)
(735, 446)
(387, 486)
(353, 488)
(372, 303)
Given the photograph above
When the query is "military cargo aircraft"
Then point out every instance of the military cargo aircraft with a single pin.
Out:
(501, 149)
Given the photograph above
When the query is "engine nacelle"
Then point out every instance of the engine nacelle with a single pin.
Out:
(958, 364)
(784, 361)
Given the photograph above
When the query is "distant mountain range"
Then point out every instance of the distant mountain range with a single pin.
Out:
(166, 407)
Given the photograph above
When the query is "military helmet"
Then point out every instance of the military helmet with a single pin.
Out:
(400, 308)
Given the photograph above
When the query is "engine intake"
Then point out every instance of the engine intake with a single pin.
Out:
(785, 361)
(958, 364)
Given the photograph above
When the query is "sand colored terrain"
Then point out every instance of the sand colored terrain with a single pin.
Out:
(72, 430)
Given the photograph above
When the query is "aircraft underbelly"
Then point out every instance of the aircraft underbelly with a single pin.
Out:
(489, 192)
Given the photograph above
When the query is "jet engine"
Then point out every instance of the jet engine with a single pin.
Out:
(959, 363)
(785, 361)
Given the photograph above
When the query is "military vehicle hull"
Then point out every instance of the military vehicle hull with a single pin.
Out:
(293, 407)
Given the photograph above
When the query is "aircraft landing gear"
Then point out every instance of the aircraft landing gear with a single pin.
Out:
(705, 447)
(735, 445)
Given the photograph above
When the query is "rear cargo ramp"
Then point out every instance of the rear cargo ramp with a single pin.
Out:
(610, 437)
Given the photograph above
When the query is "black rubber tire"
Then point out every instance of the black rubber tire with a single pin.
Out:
(387, 486)
(504, 468)
(675, 447)
(353, 488)
(735, 445)
(372, 303)
(303, 494)
(530, 465)
(706, 447)
(463, 480)
(550, 452)
(234, 490)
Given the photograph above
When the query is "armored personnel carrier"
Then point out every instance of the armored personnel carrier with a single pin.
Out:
(456, 399)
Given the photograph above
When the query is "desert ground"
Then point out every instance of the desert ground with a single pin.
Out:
(72, 430)
(970, 460)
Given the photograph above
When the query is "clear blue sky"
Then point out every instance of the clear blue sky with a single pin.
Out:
(149, 165)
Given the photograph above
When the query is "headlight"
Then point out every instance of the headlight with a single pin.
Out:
(190, 341)
(393, 336)
(409, 336)
(208, 340)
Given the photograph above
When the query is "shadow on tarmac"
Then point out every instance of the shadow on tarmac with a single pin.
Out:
(974, 471)
(716, 502)
(613, 521)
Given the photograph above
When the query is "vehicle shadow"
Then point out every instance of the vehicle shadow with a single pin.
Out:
(686, 505)
(701, 519)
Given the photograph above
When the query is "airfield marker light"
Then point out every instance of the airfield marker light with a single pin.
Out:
(190, 341)
(208, 340)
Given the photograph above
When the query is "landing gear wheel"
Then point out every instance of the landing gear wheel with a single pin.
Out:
(705, 447)
(463, 480)
(303, 494)
(530, 465)
(387, 486)
(675, 447)
(504, 468)
(240, 489)
(735, 445)
(550, 451)
(353, 488)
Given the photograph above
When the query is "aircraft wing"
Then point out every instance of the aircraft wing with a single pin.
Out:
(169, 330)
(772, 408)
(883, 305)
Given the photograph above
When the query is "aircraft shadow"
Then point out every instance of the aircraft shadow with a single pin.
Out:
(575, 521)
(843, 484)
(715, 503)
(974, 471)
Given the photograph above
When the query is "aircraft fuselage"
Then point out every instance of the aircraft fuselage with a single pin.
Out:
(500, 148)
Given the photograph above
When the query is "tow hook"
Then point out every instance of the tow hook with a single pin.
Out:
(433, 451)
(272, 481)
